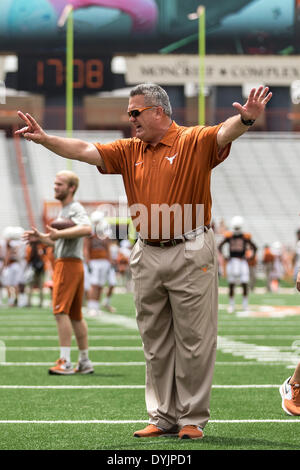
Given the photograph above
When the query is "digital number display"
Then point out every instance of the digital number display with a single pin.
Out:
(48, 74)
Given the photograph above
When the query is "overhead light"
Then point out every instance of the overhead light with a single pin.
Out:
(64, 16)
(196, 14)
(192, 16)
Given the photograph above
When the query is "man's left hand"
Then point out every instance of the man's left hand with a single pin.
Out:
(53, 233)
(255, 105)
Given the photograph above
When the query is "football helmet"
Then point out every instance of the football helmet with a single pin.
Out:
(276, 248)
(237, 224)
(100, 225)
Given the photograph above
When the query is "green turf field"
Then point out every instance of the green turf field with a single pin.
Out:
(256, 353)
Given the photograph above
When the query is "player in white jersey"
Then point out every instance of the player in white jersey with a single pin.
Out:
(14, 266)
(237, 268)
(97, 256)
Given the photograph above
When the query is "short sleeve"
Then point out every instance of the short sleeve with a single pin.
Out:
(79, 215)
(208, 135)
(112, 155)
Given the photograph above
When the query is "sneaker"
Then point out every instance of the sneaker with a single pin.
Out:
(290, 394)
(191, 432)
(62, 367)
(153, 431)
(92, 312)
(84, 367)
(230, 309)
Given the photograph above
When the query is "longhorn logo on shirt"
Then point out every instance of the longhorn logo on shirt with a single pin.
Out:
(171, 158)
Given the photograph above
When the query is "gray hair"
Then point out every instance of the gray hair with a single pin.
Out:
(154, 95)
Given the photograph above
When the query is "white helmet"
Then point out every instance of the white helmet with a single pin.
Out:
(276, 248)
(13, 233)
(96, 216)
(237, 224)
(100, 225)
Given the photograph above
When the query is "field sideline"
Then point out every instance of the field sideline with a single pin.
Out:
(256, 353)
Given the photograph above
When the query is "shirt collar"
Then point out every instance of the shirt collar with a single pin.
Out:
(169, 137)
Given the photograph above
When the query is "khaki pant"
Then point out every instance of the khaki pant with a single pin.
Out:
(176, 297)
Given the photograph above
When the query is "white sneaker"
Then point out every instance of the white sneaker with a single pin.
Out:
(230, 309)
(84, 367)
(92, 312)
(62, 367)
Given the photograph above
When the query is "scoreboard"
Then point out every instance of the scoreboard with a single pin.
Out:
(47, 74)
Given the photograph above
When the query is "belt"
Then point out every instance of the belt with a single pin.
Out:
(176, 241)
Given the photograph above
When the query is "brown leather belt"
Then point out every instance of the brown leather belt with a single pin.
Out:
(172, 242)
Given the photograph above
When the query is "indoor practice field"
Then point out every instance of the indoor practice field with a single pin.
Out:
(256, 353)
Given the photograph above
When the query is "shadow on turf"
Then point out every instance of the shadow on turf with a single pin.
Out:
(208, 443)
(246, 443)
(94, 374)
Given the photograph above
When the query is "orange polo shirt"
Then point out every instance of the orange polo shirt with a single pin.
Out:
(167, 186)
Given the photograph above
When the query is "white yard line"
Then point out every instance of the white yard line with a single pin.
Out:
(105, 318)
(114, 319)
(136, 336)
(54, 337)
(45, 364)
(69, 387)
(132, 421)
(74, 348)
(54, 328)
(226, 344)
(268, 337)
(253, 351)
(218, 363)
(86, 387)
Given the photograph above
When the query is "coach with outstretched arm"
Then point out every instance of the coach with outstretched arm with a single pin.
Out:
(166, 170)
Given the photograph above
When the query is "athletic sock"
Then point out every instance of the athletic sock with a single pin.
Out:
(83, 354)
(93, 304)
(245, 303)
(65, 353)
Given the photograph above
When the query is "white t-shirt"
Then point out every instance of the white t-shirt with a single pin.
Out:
(72, 247)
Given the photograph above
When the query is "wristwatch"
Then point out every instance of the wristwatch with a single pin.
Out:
(248, 122)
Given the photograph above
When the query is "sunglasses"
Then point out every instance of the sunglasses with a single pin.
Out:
(136, 112)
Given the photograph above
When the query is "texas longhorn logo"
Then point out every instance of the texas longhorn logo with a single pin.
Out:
(171, 158)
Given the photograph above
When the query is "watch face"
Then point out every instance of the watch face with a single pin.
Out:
(248, 122)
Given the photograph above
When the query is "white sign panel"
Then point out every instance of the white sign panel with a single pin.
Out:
(219, 69)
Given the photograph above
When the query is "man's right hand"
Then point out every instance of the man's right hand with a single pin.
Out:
(31, 235)
(32, 130)
(73, 149)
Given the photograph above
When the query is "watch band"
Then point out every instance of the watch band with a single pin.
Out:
(248, 122)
